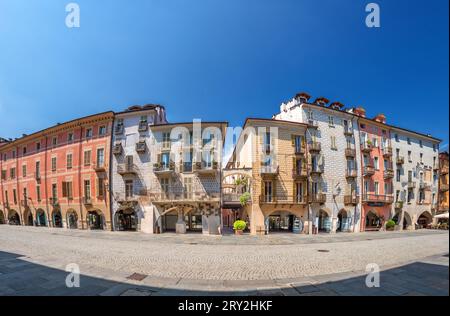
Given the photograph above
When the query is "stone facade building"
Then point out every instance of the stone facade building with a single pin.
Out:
(332, 136)
(58, 177)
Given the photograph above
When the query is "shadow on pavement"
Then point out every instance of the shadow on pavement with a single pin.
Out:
(20, 277)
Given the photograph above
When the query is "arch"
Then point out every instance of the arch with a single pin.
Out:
(95, 220)
(28, 217)
(407, 222)
(41, 217)
(344, 221)
(372, 220)
(283, 221)
(13, 218)
(424, 220)
(2, 218)
(57, 218)
(72, 219)
(126, 220)
(324, 220)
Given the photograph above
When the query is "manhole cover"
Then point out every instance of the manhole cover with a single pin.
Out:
(323, 250)
(136, 292)
(137, 277)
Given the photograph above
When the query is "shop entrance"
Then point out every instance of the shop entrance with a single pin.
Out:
(126, 220)
(283, 221)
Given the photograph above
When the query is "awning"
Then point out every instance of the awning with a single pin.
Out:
(444, 215)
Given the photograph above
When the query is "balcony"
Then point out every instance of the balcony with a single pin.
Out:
(282, 199)
(424, 186)
(398, 205)
(378, 198)
(411, 185)
(400, 160)
(351, 173)
(206, 168)
(313, 124)
(366, 147)
(161, 169)
(299, 150)
(269, 171)
(300, 173)
(118, 130)
(320, 198)
(233, 200)
(351, 199)
(348, 131)
(143, 126)
(314, 147)
(350, 152)
(141, 147)
(185, 196)
(99, 166)
(388, 174)
(316, 169)
(117, 149)
(186, 167)
(387, 152)
(127, 202)
(443, 187)
(444, 170)
(127, 169)
(87, 201)
(368, 171)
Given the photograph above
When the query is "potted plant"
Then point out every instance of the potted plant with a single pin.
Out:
(239, 227)
(390, 225)
(244, 198)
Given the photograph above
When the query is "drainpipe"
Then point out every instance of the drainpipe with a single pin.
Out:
(111, 176)
(361, 225)
(80, 164)
(45, 181)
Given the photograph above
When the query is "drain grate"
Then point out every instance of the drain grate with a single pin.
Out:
(137, 277)
(323, 250)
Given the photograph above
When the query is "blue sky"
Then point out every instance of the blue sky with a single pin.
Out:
(222, 60)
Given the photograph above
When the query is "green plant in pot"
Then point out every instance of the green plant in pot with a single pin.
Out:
(390, 224)
(239, 227)
(244, 198)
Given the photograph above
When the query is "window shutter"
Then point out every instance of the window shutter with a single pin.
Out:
(293, 140)
(64, 189)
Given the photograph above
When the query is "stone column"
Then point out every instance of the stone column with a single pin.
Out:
(180, 227)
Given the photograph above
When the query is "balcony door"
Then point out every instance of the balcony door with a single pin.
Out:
(268, 191)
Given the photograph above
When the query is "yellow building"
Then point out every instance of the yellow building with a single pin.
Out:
(271, 156)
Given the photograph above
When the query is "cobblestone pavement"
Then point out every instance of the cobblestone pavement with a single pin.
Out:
(33, 260)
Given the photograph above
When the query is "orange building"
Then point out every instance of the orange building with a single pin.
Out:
(58, 177)
(377, 171)
(443, 183)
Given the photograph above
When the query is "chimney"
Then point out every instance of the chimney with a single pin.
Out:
(360, 111)
(336, 105)
(321, 101)
(381, 118)
(302, 97)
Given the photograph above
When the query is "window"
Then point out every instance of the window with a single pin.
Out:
(397, 152)
(299, 192)
(409, 156)
(13, 154)
(377, 188)
(398, 175)
(187, 185)
(24, 151)
(267, 142)
(408, 140)
(410, 196)
(3, 174)
(38, 146)
(434, 147)
(53, 163)
(331, 121)
(410, 176)
(87, 188)
(421, 157)
(375, 141)
(375, 162)
(102, 130)
(12, 173)
(397, 196)
(298, 143)
(87, 157)
(165, 185)
(362, 126)
(15, 196)
(129, 188)
(100, 157)
(55, 141)
(38, 169)
(54, 192)
(396, 138)
(268, 191)
(88, 132)
(24, 171)
(38, 193)
(310, 115)
(143, 119)
(67, 190)
(70, 137)
(420, 144)
(166, 140)
(69, 161)
(100, 187)
(333, 142)
(386, 188)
